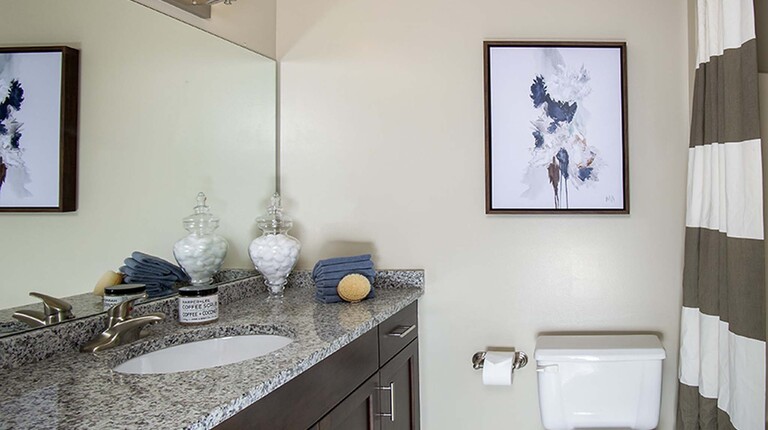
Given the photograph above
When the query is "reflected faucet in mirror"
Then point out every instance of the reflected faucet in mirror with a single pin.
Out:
(121, 327)
(54, 311)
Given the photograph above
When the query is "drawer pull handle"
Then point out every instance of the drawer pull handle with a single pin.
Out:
(391, 389)
(401, 331)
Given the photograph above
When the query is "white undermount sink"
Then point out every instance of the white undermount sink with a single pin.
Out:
(203, 354)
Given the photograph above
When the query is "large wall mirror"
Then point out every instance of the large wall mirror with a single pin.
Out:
(166, 111)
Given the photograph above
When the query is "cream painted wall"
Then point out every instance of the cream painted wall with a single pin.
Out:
(249, 23)
(382, 142)
(166, 111)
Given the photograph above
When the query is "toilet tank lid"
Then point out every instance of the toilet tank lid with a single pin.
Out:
(599, 348)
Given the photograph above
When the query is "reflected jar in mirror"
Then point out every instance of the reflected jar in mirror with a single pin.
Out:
(202, 252)
(274, 253)
(120, 293)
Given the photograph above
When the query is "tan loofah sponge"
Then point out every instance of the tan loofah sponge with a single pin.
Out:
(108, 279)
(353, 287)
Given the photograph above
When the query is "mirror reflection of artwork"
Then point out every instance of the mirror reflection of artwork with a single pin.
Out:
(166, 110)
(36, 158)
(10, 132)
(556, 139)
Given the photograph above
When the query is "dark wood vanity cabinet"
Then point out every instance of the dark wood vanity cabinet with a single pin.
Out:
(401, 376)
(389, 400)
(399, 371)
(370, 384)
(357, 412)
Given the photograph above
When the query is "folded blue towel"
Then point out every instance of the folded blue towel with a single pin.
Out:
(332, 292)
(370, 271)
(150, 260)
(147, 276)
(160, 280)
(328, 299)
(335, 283)
(149, 282)
(158, 291)
(146, 268)
(339, 260)
(344, 267)
(161, 293)
(326, 291)
(158, 286)
(334, 279)
(334, 298)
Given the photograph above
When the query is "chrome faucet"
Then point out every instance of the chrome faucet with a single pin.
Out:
(54, 311)
(121, 327)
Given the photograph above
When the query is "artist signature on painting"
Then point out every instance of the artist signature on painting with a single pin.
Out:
(610, 198)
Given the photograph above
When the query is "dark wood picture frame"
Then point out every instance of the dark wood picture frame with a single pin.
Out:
(68, 128)
(622, 145)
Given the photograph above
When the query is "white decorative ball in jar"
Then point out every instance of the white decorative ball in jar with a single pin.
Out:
(202, 252)
(274, 253)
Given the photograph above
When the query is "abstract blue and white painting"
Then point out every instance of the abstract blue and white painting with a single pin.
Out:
(556, 136)
(30, 116)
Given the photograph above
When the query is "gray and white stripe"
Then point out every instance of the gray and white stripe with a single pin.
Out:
(722, 346)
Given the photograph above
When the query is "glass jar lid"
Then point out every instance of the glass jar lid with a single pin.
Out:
(275, 221)
(202, 221)
(198, 291)
(125, 289)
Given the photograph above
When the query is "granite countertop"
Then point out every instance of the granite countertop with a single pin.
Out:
(78, 391)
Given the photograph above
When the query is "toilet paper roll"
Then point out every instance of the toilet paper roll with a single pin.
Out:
(498, 367)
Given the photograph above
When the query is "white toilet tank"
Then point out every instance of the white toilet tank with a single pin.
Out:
(599, 382)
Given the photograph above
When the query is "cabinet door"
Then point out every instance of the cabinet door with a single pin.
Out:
(399, 384)
(314, 393)
(356, 412)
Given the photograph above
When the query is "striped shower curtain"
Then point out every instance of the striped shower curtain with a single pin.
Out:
(722, 344)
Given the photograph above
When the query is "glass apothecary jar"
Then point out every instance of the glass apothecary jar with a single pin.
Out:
(274, 253)
(202, 252)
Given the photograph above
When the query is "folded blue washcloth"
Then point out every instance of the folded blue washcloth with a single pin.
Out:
(339, 260)
(147, 276)
(332, 292)
(150, 260)
(334, 298)
(368, 272)
(328, 299)
(149, 282)
(146, 268)
(157, 286)
(326, 291)
(159, 292)
(344, 267)
(334, 282)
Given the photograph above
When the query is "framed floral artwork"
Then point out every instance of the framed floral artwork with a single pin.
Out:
(556, 127)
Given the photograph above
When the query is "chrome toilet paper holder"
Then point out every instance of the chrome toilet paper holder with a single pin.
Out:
(521, 359)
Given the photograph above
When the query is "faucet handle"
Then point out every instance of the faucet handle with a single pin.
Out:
(55, 310)
(52, 305)
(122, 310)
